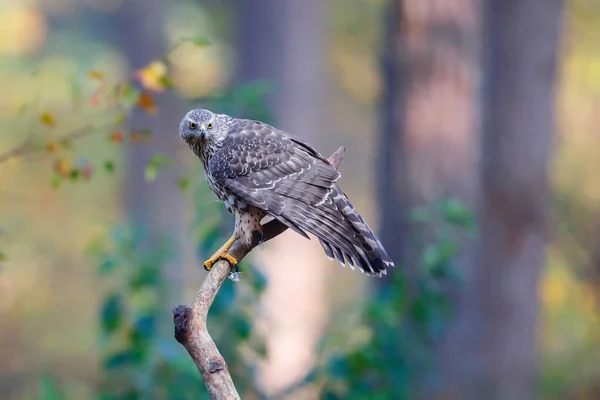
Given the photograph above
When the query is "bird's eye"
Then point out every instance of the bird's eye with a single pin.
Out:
(193, 126)
(209, 126)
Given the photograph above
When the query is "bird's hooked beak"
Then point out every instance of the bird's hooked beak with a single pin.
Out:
(202, 131)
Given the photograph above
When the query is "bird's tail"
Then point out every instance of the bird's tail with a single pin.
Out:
(369, 254)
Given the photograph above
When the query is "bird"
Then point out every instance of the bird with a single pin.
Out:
(257, 170)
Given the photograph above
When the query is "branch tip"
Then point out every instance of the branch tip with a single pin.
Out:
(180, 322)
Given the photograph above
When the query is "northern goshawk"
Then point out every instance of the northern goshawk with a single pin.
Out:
(258, 170)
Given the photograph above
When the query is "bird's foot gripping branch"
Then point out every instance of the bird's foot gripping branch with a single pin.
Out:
(190, 321)
(222, 253)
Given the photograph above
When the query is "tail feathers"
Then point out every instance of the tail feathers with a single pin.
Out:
(368, 253)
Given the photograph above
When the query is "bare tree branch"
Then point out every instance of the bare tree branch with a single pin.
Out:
(21, 149)
(28, 146)
(190, 321)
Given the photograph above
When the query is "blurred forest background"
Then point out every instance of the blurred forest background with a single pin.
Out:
(471, 148)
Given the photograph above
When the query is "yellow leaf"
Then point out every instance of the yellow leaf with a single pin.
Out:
(95, 74)
(51, 147)
(48, 119)
(63, 167)
(154, 76)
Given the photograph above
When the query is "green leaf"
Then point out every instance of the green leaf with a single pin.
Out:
(107, 265)
(436, 259)
(119, 359)
(109, 166)
(338, 367)
(128, 95)
(167, 82)
(157, 162)
(421, 311)
(160, 160)
(3, 256)
(260, 348)
(111, 313)
(144, 277)
(184, 183)
(258, 280)
(55, 181)
(250, 97)
(455, 213)
(419, 214)
(201, 41)
(150, 173)
(75, 174)
(242, 328)
(145, 326)
(431, 257)
(47, 389)
(257, 88)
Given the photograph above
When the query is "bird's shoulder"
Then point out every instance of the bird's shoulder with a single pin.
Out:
(253, 145)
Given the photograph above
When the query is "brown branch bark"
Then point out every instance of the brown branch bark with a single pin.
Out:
(190, 321)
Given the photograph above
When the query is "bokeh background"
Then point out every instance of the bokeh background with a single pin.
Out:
(472, 148)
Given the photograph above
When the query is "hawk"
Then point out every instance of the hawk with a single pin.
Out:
(258, 170)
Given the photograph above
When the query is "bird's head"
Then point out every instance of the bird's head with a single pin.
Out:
(203, 126)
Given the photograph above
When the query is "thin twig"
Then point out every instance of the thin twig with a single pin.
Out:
(28, 146)
(190, 321)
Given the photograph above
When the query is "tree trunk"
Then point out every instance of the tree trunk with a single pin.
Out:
(430, 148)
(438, 141)
(430, 138)
(275, 44)
(522, 42)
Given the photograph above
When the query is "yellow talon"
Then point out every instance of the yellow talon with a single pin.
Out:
(216, 257)
(223, 253)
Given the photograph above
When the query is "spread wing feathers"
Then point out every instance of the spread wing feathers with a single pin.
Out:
(295, 184)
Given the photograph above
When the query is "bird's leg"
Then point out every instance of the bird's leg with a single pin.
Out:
(262, 236)
(223, 253)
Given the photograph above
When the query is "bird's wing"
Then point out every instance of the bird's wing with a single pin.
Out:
(290, 180)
